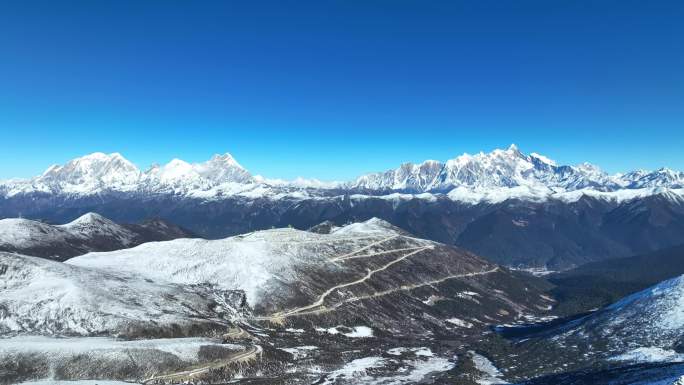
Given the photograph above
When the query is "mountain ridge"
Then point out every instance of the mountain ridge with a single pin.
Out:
(89, 232)
(509, 172)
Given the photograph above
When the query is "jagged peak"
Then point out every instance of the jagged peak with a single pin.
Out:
(667, 171)
(225, 159)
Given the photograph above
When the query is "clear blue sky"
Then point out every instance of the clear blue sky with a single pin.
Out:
(333, 89)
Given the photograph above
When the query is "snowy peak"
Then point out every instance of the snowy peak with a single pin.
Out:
(226, 161)
(92, 225)
(663, 177)
(99, 172)
(89, 219)
(94, 171)
(510, 172)
(499, 168)
(179, 175)
(223, 168)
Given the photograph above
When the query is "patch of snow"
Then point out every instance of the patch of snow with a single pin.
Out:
(356, 370)
(420, 352)
(186, 349)
(650, 354)
(490, 373)
(369, 371)
(356, 331)
(300, 351)
(460, 323)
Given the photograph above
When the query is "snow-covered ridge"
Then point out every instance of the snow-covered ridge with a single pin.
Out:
(21, 234)
(649, 323)
(510, 169)
(89, 232)
(251, 262)
(491, 177)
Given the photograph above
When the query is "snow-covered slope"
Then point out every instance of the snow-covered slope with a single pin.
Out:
(92, 225)
(469, 178)
(284, 269)
(640, 336)
(89, 232)
(256, 262)
(98, 172)
(510, 170)
(650, 319)
(46, 297)
(647, 326)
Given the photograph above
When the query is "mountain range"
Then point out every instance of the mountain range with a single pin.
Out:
(514, 209)
(485, 176)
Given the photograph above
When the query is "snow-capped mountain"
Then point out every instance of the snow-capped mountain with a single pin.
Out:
(516, 209)
(509, 172)
(178, 175)
(510, 168)
(98, 172)
(90, 173)
(89, 232)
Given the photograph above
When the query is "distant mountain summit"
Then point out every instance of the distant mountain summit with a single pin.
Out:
(99, 172)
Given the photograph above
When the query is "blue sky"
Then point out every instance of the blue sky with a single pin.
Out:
(333, 89)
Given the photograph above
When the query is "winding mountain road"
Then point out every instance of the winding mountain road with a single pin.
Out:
(250, 353)
(327, 309)
(321, 299)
